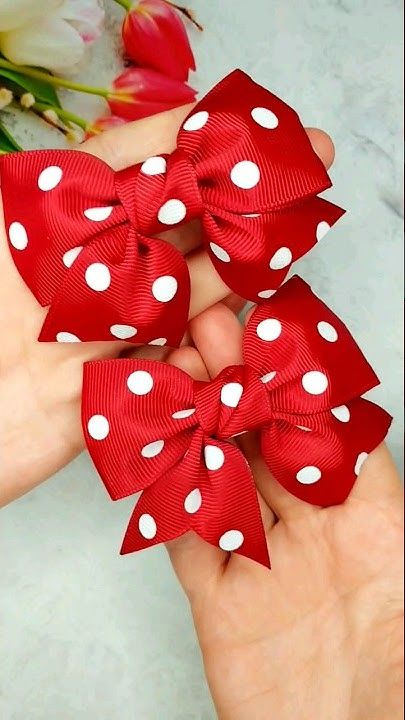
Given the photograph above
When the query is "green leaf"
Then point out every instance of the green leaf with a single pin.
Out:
(39, 88)
(7, 142)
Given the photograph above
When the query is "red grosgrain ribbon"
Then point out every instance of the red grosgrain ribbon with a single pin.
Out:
(81, 235)
(149, 426)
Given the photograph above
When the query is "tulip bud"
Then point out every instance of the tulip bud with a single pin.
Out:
(27, 100)
(139, 93)
(154, 37)
(6, 97)
(75, 135)
(107, 122)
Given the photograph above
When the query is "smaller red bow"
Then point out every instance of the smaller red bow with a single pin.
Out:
(83, 237)
(149, 426)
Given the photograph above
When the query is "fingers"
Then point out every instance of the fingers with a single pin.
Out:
(378, 479)
(132, 143)
(196, 563)
(323, 145)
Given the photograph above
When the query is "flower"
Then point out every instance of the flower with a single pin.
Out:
(154, 36)
(106, 122)
(54, 38)
(15, 13)
(6, 97)
(140, 92)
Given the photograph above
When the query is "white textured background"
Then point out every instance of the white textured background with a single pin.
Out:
(88, 635)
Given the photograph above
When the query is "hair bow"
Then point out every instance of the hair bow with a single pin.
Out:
(82, 236)
(149, 426)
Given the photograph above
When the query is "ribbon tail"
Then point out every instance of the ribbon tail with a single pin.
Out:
(158, 516)
(230, 517)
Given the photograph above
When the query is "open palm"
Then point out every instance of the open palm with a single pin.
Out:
(319, 636)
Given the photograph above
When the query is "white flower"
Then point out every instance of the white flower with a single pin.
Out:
(15, 13)
(56, 39)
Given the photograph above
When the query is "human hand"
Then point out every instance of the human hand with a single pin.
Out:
(40, 383)
(319, 636)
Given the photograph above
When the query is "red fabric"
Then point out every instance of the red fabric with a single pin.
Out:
(243, 164)
(300, 387)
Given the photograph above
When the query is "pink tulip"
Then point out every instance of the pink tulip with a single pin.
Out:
(104, 123)
(154, 36)
(139, 92)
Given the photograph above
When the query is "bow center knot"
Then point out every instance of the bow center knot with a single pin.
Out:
(232, 404)
(160, 193)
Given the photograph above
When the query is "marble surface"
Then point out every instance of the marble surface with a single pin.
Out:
(88, 635)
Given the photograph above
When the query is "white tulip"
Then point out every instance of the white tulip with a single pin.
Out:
(56, 40)
(14, 13)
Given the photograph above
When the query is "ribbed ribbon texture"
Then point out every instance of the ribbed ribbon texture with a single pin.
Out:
(83, 237)
(149, 426)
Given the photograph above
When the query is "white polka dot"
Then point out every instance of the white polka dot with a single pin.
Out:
(266, 293)
(140, 382)
(245, 174)
(268, 377)
(154, 166)
(158, 341)
(98, 277)
(231, 393)
(231, 540)
(147, 526)
(50, 178)
(172, 212)
(181, 414)
(341, 413)
(71, 255)
(269, 329)
(98, 214)
(123, 332)
(302, 427)
(265, 117)
(193, 501)
(98, 427)
(322, 229)
(219, 252)
(327, 331)
(153, 449)
(315, 382)
(18, 236)
(309, 475)
(281, 258)
(359, 462)
(196, 121)
(164, 288)
(67, 337)
(214, 457)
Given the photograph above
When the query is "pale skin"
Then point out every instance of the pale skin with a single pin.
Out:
(318, 637)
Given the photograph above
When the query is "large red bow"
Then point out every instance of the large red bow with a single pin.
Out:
(150, 426)
(81, 235)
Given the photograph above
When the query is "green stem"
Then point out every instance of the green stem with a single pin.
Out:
(63, 114)
(53, 79)
(126, 4)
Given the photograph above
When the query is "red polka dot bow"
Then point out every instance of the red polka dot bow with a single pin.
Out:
(149, 426)
(82, 236)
